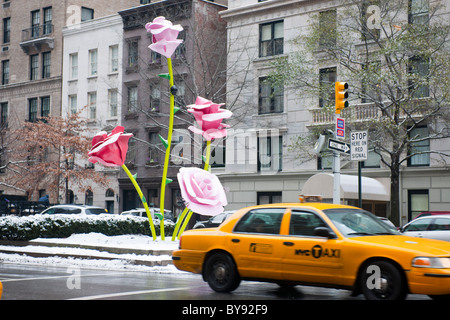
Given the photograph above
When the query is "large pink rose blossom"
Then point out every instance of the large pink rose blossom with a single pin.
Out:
(164, 36)
(202, 191)
(110, 149)
(209, 117)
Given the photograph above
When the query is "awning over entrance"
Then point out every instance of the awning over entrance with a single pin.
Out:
(322, 184)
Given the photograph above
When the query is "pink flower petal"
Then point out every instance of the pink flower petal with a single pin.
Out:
(165, 48)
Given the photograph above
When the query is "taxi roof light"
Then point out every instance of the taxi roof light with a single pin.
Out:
(309, 198)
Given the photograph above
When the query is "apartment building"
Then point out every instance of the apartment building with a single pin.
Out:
(198, 65)
(260, 167)
(31, 65)
(92, 87)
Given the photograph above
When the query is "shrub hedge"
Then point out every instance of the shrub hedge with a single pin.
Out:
(64, 225)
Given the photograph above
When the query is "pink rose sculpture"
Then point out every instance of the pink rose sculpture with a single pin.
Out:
(209, 117)
(164, 36)
(110, 149)
(202, 191)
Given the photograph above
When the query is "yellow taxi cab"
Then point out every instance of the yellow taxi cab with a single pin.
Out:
(316, 244)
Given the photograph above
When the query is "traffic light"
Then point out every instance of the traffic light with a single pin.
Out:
(340, 96)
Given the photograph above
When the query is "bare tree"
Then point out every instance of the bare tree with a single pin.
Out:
(46, 153)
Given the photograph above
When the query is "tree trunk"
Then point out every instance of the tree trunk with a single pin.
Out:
(395, 195)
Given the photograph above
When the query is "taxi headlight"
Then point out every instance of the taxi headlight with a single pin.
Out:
(427, 262)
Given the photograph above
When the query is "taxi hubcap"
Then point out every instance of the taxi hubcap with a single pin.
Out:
(220, 272)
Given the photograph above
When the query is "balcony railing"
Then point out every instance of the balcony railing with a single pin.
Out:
(36, 36)
(361, 112)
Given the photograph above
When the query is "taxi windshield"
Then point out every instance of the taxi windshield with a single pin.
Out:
(357, 222)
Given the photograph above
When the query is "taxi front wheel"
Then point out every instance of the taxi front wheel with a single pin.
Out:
(221, 272)
(381, 280)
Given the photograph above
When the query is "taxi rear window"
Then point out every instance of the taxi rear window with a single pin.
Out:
(267, 221)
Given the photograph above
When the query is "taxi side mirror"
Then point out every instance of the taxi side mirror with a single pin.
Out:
(324, 232)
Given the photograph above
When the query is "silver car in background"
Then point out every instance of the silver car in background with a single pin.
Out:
(432, 227)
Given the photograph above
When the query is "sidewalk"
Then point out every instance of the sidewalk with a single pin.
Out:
(138, 250)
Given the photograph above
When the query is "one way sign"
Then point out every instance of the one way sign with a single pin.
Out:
(338, 146)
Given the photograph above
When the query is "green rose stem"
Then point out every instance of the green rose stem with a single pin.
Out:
(178, 223)
(208, 154)
(144, 201)
(169, 142)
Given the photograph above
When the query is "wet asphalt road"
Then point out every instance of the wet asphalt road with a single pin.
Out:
(30, 282)
(35, 282)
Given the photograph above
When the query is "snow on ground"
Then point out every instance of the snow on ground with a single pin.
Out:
(119, 262)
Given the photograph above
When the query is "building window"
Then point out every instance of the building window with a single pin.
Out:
(89, 198)
(4, 115)
(35, 21)
(32, 109)
(373, 160)
(133, 54)
(419, 148)
(270, 153)
(418, 11)
(180, 51)
(155, 57)
(370, 90)
(46, 64)
(112, 102)
(45, 107)
(73, 103)
(155, 97)
(114, 58)
(6, 30)
(418, 75)
(327, 27)
(271, 38)
(271, 99)
(132, 99)
(153, 153)
(147, 1)
(93, 62)
(5, 72)
(73, 61)
(34, 67)
(47, 27)
(327, 78)
(418, 201)
(92, 101)
(268, 197)
(87, 14)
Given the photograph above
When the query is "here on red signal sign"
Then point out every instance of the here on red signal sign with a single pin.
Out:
(358, 145)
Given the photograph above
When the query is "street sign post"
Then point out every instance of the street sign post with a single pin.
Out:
(358, 145)
(337, 145)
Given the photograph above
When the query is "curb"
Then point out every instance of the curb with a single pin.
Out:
(113, 250)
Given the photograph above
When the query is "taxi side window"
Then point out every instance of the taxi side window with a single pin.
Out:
(303, 223)
(267, 221)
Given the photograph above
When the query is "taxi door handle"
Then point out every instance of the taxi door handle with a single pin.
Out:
(288, 243)
(235, 240)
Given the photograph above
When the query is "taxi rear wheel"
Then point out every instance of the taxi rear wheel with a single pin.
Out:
(381, 280)
(221, 273)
